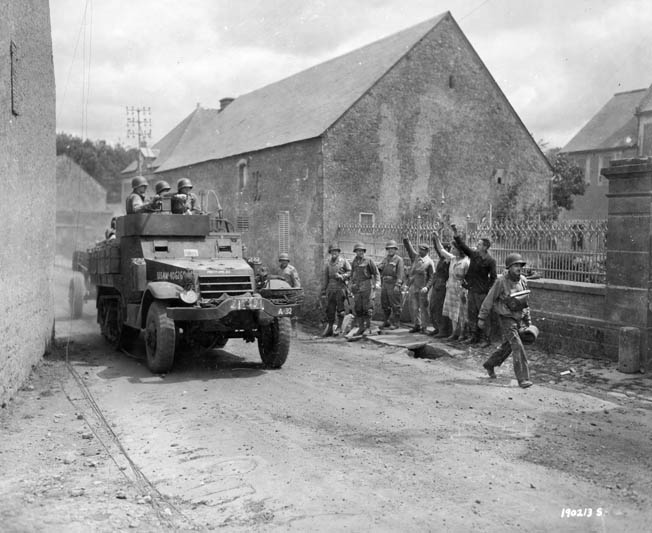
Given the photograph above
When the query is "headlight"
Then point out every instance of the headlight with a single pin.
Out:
(189, 296)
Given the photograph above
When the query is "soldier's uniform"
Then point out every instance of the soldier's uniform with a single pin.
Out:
(335, 274)
(291, 276)
(135, 202)
(392, 274)
(364, 280)
(422, 275)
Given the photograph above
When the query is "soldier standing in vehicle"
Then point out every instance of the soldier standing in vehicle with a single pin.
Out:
(509, 297)
(365, 279)
(136, 200)
(185, 202)
(420, 280)
(287, 272)
(392, 271)
(336, 272)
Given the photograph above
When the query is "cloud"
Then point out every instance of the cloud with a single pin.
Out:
(557, 61)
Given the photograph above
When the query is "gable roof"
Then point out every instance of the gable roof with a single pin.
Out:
(611, 126)
(300, 107)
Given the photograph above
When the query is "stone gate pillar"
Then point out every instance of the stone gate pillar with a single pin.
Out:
(629, 247)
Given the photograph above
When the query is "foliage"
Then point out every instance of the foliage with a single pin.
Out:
(567, 181)
(101, 160)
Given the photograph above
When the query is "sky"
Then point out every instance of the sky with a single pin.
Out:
(557, 61)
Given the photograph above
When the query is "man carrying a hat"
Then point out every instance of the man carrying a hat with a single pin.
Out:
(365, 279)
(420, 280)
(335, 274)
(509, 297)
(392, 271)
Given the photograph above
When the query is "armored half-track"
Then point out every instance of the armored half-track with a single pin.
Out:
(183, 281)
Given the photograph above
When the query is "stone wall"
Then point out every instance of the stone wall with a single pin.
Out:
(27, 167)
(284, 178)
(571, 318)
(435, 124)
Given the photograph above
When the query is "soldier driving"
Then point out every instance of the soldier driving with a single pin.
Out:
(392, 270)
(336, 272)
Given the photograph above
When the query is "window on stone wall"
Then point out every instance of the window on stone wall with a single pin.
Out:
(603, 161)
(242, 223)
(242, 174)
(283, 232)
(499, 176)
(587, 170)
(366, 219)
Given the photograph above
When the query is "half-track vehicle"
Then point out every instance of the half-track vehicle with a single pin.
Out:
(183, 281)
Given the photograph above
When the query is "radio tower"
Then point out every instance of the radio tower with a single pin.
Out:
(139, 127)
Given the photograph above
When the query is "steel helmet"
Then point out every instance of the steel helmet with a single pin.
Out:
(284, 257)
(334, 246)
(528, 335)
(183, 182)
(162, 186)
(138, 181)
(391, 244)
(513, 259)
(359, 246)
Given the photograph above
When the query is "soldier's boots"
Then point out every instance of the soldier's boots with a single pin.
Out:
(328, 331)
(338, 329)
(359, 322)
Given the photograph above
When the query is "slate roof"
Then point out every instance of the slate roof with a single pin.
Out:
(300, 107)
(611, 126)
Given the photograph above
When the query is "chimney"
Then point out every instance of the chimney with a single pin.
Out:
(225, 102)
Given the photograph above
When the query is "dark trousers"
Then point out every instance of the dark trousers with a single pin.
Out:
(475, 300)
(511, 345)
(363, 304)
(390, 301)
(334, 304)
(418, 307)
(439, 321)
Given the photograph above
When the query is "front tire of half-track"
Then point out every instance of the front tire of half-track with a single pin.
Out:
(159, 339)
(274, 342)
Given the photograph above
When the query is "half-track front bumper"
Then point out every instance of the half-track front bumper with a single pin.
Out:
(262, 306)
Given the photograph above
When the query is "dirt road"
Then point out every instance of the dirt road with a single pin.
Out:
(346, 437)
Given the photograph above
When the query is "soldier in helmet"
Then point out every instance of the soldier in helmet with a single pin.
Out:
(185, 202)
(136, 200)
(287, 272)
(336, 273)
(420, 280)
(509, 297)
(392, 271)
(162, 188)
(365, 279)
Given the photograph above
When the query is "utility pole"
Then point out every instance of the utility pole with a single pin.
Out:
(139, 126)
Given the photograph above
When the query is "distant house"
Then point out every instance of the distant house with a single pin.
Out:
(621, 129)
(27, 152)
(362, 137)
(82, 213)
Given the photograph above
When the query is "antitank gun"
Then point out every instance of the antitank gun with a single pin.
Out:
(182, 279)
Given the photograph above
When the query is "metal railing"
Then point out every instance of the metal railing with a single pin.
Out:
(571, 250)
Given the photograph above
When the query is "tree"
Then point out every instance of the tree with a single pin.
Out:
(101, 160)
(567, 180)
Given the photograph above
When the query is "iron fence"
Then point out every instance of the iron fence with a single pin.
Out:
(571, 250)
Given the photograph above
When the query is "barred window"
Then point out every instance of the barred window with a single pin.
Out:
(283, 232)
(242, 223)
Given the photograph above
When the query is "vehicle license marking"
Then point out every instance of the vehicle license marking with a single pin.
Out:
(247, 303)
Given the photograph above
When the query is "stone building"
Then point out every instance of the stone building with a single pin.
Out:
(413, 117)
(27, 167)
(621, 129)
(82, 214)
